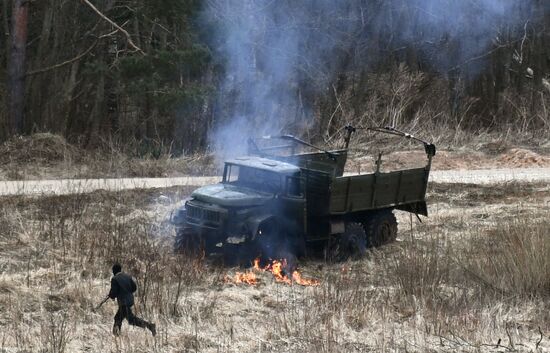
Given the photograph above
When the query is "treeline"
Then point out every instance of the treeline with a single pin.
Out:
(149, 72)
(85, 78)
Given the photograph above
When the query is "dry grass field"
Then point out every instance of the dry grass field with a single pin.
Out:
(49, 156)
(474, 277)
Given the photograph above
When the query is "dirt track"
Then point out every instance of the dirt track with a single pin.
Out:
(491, 176)
(75, 186)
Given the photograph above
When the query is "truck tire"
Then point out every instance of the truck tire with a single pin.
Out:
(381, 228)
(350, 244)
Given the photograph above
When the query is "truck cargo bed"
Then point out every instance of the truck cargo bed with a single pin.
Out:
(378, 190)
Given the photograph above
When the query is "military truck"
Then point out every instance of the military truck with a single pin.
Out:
(278, 199)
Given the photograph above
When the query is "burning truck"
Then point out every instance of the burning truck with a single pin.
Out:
(281, 202)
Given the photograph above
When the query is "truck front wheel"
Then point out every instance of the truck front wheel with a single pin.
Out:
(187, 241)
(381, 228)
(273, 241)
(267, 239)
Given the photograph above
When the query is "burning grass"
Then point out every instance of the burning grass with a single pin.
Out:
(458, 282)
(280, 269)
(248, 277)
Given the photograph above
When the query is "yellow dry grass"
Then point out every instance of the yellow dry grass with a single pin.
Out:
(474, 277)
(50, 156)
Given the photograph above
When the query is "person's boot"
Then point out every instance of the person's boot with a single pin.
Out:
(116, 330)
(153, 328)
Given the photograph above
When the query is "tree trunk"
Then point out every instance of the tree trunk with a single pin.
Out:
(6, 25)
(16, 66)
(97, 114)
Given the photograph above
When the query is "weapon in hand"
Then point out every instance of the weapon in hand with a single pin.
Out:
(100, 304)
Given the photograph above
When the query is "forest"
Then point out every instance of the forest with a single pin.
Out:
(177, 73)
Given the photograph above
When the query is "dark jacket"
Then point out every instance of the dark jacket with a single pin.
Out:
(122, 287)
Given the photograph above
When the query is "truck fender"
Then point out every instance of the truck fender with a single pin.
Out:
(418, 208)
(253, 224)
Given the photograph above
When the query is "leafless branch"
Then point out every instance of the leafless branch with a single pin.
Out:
(339, 106)
(109, 34)
(57, 66)
(126, 34)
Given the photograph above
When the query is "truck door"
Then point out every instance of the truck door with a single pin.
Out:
(292, 203)
(317, 185)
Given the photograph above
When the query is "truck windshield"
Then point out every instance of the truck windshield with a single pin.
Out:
(257, 179)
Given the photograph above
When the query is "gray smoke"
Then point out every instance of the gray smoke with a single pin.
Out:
(277, 56)
(456, 34)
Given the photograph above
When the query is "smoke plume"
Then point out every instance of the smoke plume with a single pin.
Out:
(277, 57)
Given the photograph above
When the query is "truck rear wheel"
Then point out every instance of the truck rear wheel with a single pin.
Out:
(350, 244)
(381, 228)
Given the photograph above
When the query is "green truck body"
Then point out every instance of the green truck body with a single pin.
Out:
(295, 201)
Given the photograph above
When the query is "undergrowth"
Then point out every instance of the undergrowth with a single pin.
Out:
(436, 289)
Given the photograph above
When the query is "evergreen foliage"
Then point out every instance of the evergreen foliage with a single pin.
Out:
(85, 81)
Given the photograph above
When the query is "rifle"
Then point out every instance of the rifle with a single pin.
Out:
(100, 304)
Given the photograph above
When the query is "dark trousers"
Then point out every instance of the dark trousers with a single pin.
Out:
(125, 312)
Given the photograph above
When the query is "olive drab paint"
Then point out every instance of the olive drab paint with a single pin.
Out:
(296, 199)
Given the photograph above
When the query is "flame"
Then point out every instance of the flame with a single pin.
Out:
(297, 277)
(247, 277)
(277, 268)
(257, 264)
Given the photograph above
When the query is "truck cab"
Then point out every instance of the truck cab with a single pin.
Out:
(253, 198)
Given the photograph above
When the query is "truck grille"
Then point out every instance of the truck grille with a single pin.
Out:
(198, 213)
